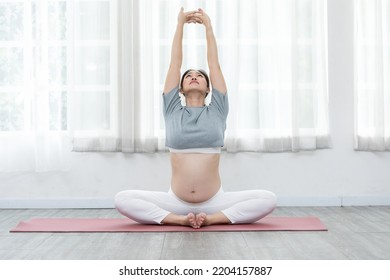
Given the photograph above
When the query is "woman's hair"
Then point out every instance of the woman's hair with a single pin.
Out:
(200, 71)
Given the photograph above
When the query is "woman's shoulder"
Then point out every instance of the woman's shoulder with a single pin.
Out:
(217, 91)
(172, 90)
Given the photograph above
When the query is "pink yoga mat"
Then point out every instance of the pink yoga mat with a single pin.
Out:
(126, 225)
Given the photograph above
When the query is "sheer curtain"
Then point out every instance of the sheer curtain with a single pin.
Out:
(57, 80)
(76, 75)
(372, 75)
(277, 75)
(33, 89)
(124, 117)
(274, 58)
(88, 75)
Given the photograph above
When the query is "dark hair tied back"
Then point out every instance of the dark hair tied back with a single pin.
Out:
(200, 71)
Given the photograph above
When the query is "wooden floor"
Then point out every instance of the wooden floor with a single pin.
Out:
(361, 233)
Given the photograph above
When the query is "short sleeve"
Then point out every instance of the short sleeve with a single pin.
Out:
(171, 101)
(220, 102)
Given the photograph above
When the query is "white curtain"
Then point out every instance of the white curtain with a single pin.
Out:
(124, 118)
(88, 75)
(33, 91)
(94, 98)
(372, 75)
(274, 58)
(72, 77)
(58, 81)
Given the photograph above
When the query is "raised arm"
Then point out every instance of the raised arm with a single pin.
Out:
(173, 76)
(216, 76)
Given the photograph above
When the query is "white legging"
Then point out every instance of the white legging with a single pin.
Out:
(151, 207)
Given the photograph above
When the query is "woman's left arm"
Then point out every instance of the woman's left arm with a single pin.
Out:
(216, 76)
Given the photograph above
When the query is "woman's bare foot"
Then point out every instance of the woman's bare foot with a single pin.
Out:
(201, 219)
(195, 221)
(192, 220)
(174, 219)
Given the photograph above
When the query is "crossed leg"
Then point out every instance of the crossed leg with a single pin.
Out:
(224, 208)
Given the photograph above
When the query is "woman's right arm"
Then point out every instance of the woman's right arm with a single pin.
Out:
(173, 76)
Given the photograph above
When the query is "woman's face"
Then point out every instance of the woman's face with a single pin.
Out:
(195, 80)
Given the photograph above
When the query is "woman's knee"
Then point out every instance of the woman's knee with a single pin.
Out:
(119, 199)
(122, 198)
(268, 199)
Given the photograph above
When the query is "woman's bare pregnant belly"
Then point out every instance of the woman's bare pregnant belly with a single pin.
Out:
(195, 177)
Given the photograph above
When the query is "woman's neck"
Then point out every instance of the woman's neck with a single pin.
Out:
(194, 100)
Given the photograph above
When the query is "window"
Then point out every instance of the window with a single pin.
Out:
(94, 71)
(372, 75)
(49, 49)
(274, 58)
(58, 64)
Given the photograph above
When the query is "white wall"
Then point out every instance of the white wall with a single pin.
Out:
(336, 176)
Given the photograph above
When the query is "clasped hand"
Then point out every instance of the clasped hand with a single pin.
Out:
(197, 16)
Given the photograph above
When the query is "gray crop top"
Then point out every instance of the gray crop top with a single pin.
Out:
(195, 127)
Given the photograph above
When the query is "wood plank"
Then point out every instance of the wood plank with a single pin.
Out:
(353, 233)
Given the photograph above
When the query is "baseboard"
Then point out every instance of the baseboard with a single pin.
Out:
(308, 201)
(365, 200)
(84, 203)
(49, 203)
(334, 201)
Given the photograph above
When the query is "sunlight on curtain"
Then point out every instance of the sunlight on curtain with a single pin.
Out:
(57, 63)
(88, 75)
(274, 57)
(94, 98)
(33, 94)
(372, 75)
(123, 114)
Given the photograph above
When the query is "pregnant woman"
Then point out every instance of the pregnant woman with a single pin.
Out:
(194, 136)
